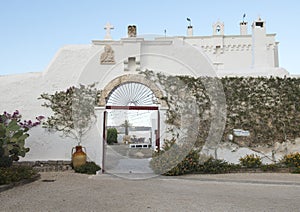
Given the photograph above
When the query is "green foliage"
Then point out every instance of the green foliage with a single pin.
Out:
(15, 174)
(112, 136)
(291, 160)
(166, 162)
(269, 167)
(73, 110)
(5, 161)
(12, 142)
(88, 168)
(181, 92)
(250, 161)
(267, 107)
(175, 159)
(296, 170)
(216, 166)
(13, 134)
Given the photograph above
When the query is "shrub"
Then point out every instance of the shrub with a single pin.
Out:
(269, 167)
(15, 174)
(88, 168)
(5, 161)
(291, 160)
(296, 170)
(216, 166)
(173, 162)
(112, 136)
(13, 133)
(251, 161)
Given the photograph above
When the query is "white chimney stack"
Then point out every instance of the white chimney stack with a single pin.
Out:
(244, 28)
(190, 31)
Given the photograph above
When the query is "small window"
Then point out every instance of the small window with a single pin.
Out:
(131, 63)
(145, 146)
(218, 29)
(218, 49)
(259, 24)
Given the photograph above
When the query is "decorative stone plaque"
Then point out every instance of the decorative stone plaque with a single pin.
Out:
(108, 56)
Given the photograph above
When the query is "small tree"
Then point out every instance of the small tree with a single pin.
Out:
(112, 136)
(73, 109)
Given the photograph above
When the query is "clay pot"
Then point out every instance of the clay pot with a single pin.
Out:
(78, 157)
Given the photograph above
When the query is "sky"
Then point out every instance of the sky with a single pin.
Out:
(32, 31)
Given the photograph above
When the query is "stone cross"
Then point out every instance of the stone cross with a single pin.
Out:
(108, 27)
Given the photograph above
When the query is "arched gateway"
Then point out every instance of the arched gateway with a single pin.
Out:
(131, 92)
(130, 78)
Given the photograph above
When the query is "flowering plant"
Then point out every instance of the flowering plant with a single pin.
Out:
(13, 133)
(251, 161)
(291, 160)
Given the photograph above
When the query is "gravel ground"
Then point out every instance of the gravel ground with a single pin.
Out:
(67, 191)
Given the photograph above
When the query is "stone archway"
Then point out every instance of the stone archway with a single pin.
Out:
(158, 105)
(115, 83)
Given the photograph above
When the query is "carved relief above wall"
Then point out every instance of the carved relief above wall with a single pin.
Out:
(108, 56)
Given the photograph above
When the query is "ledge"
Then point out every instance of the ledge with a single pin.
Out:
(20, 183)
(48, 166)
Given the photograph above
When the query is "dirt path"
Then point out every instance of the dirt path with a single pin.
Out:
(67, 191)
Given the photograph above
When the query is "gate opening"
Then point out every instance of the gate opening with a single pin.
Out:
(134, 100)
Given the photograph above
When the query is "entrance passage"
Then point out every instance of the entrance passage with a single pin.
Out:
(130, 107)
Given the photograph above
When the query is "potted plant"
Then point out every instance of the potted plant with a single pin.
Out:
(74, 115)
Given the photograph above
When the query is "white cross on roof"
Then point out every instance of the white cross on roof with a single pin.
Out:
(108, 27)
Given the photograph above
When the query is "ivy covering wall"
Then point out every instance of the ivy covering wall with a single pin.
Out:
(267, 107)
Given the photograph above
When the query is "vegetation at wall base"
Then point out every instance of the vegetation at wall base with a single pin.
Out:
(251, 161)
(216, 166)
(15, 174)
(291, 160)
(13, 133)
(166, 163)
(296, 171)
(88, 168)
(274, 167)
(172, 160)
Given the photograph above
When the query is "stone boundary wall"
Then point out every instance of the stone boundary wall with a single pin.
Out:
(47, 166)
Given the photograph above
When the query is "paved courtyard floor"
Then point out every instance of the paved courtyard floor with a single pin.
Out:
(67, 191)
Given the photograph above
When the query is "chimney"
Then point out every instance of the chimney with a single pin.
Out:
(189, 31)
(131, 31)
(244, 28)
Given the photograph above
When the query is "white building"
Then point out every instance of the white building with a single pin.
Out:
(112, 63)
(254, 54)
